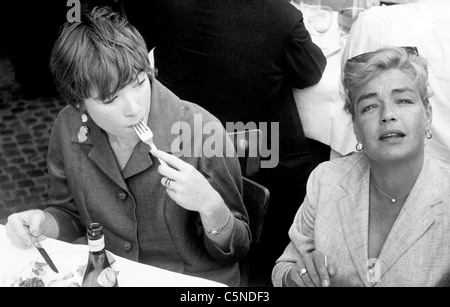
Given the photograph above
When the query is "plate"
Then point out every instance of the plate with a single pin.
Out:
(36, 273)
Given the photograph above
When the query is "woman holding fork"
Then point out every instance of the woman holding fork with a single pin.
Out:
(184, 215)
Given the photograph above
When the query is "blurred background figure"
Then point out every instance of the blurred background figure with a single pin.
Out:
(420, 25)
(240, 61)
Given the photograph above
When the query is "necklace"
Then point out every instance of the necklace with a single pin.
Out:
(393, 200)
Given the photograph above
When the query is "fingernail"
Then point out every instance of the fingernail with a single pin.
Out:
(325, 283)
(34, 232)
(27, 243)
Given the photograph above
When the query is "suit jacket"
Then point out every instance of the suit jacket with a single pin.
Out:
(141, 222)
(334, 220)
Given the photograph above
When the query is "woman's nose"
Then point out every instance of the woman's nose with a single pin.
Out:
(388, 114)
(132, 106)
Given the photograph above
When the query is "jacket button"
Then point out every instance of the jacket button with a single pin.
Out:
(127, 246)
(123, 196)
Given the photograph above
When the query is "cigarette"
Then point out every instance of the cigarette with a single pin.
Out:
(326, 262)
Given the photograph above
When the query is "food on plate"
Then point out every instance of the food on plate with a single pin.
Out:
(33, 282)
(41, 275)
(37, 273)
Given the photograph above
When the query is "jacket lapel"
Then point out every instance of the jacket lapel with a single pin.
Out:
(354, 215)
(101, 154)
(165, 117)
(165, 110)
(416, 217)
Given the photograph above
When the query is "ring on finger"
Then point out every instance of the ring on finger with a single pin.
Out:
(168, 183)
(303, 272)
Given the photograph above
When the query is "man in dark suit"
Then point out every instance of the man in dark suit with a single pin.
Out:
(239, 59)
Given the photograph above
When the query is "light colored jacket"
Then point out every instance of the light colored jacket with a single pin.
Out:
(334, 220)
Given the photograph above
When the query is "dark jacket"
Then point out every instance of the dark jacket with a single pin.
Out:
(239, 59)
(141, 222)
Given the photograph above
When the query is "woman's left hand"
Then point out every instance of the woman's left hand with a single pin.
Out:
(186, 185)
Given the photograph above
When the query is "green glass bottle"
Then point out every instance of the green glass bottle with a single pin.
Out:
(99, 272)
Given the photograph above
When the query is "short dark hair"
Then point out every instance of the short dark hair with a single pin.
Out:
(102, 52)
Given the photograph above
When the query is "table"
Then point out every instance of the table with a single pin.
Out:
(321, 107)
(131, 274)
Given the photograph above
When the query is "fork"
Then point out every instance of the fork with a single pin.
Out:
(146, 136)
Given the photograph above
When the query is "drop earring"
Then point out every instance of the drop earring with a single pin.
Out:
(359, 147)
(83, 133)
(428, 134)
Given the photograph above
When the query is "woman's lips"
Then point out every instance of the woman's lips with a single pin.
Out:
(392, 135)
(132, 126)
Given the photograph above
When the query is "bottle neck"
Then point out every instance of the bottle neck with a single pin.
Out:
(97, 244)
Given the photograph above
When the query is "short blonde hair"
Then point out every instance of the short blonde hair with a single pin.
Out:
(360, 70)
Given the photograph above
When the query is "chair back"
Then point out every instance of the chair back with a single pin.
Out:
(247, 148)
(256, 199)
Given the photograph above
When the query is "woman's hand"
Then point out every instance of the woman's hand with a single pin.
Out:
(311, 271)
(186, 185)
(26, 227)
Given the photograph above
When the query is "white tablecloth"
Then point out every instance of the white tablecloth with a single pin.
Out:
(131, 274)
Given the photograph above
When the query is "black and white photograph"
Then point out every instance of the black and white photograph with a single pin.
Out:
(225, 150)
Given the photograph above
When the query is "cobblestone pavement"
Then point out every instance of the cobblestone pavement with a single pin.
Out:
(24, 131)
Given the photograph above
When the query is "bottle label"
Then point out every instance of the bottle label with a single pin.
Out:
(96, 245)
(107, 278)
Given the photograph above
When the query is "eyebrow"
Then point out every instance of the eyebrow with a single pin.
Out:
(366, 96)
(98, 99)
(402, 90)
(394, 91)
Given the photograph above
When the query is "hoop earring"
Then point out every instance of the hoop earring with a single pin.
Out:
(428, 134)
(359, 147)
(83, 133)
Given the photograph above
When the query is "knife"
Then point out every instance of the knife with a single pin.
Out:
(46, 257)
(41, 250)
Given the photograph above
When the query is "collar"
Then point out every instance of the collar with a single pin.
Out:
(418, 213)
(165, 117)
(164, 120)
